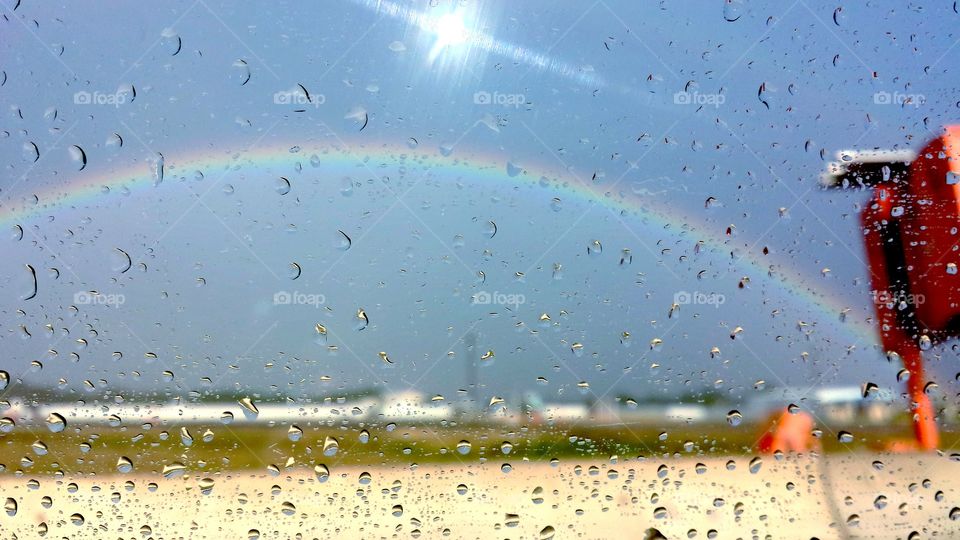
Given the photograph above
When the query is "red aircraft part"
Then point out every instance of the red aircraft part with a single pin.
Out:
(912, 237)
(930, 233)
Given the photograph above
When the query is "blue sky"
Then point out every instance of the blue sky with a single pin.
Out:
(676, 104)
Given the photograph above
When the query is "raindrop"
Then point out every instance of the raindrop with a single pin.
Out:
(250, 409)
(206, 485)
(343, 241)
(55, 422)
(79, 157)
(39, 448)
(330, 446)
(32, 290)
(242, 70)
(170, 41)
(362, 321)
(174, 470)
(156, 169)
(124, 465)
(594, 248)
(732, 10)
(281, 185)
(31, 153)
(294, 271)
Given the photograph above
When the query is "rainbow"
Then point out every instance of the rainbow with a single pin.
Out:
(90, 185)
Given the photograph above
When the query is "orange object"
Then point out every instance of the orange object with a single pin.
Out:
(911, 230)
(791, 432)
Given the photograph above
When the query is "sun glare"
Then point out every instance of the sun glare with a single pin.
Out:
(450, 30)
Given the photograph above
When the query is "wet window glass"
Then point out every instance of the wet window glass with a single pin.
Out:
(469, 268)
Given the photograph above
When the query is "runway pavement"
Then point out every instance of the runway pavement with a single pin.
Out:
(838, 496)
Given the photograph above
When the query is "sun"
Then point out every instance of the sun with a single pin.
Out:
(449, 30)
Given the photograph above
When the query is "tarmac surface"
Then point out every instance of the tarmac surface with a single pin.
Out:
(837, 496)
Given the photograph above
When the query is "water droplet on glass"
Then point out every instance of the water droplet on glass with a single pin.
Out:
(39, 448)
(55, 422)
(281, 185)
(330, 446)
(206, 485)
(250, 409)
(594, 248)
(174, 470)
(321, 472)
(124, 465)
